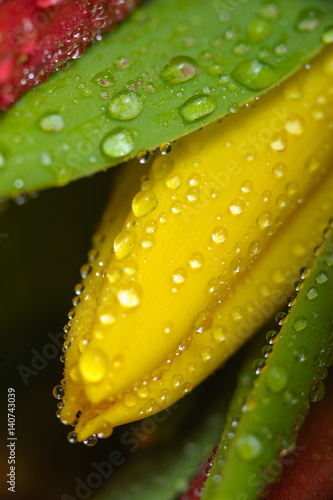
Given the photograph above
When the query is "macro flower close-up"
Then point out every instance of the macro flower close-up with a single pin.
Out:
(168, 164)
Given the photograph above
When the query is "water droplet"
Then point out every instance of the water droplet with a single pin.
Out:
(300, 324)
(255, 75)
(121, 63)
(207, 353)
(197, 107)
(294, 125)
(165, 148)
(276, 378)
(91, 441)
(255, 247)
(179, 276)
(302, 354)
(317, 391)
(237, 206)
(219, 234)
(246, 186)
(312, 294)
(265, 219)
(329, 260)
(176, 207)
(104, 79)
(118, 143)
(59, 391)
(179, 70)
(249, 447)
(194, 180)
(124, 243)
(258, 30)
(52, 123)
(93, 365)
(193, 194)
(147, 241)
(219, 333)
(279, 142)
(327, 36)
(272, 336)
(241, 48)
(131, 400)
(174, 180)
(177, 380)
(281, 318)
(309, 19)
(143, 156)
(72, 437)
(125, 105)
(196, 260)
(143, 203)
(143, 391)
(129, 294)
(281, 48)
(203, 322)
(321, 278)
(269, 11)
(279, 169)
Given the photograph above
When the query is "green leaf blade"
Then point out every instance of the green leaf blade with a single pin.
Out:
(164, 57)
(291, 377)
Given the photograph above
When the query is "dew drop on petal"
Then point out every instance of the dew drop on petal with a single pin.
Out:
(93, 365)
(143, 203)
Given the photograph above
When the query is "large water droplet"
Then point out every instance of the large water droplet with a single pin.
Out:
(258, 30)
(143, 203)
(93, 365)
(270, 11)
(197, 107)
(196, 260)
(255, 75)
(179, 276)
(300, 324)
(104, 79)
(203, 322)
(276, 378)
(249, 447)
(309, 19)
(219, 234)
(129, 294)
(123, 244)
(125, 105)
(237, 206)
(52, 123)
(118, 143)
(180, 69)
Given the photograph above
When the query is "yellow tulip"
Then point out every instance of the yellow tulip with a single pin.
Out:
(183, 271)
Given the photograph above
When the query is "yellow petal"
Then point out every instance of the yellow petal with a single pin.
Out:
(152, 321)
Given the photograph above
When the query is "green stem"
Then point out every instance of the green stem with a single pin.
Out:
(288, 381)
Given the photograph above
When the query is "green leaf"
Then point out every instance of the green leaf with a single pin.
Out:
(291, 377)
(171, 68)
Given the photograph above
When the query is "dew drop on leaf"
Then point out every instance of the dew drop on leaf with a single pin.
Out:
(118, 143)
(125, 105)
(309, 19)
(197, 107)
(179, 70)
(52, 123)
(255, 75)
